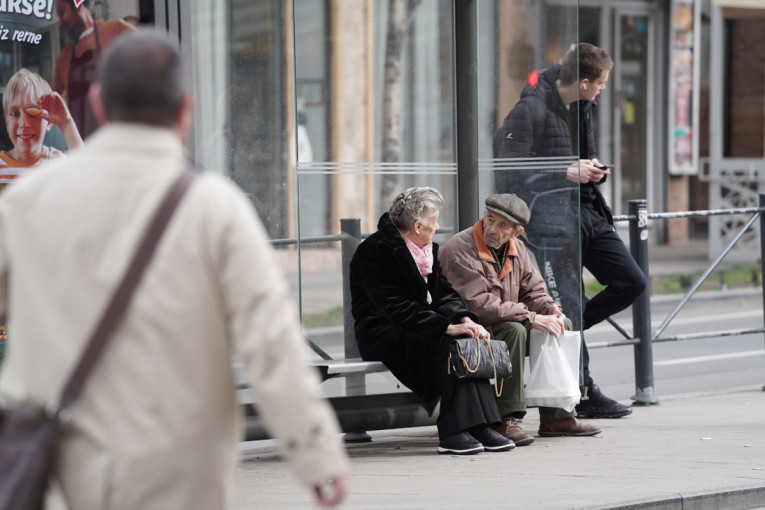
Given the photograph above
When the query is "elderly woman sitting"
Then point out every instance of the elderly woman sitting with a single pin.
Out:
(406, 314)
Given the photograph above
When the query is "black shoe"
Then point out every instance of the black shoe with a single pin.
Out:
(598, 405)
(460, 443)
(492, 440)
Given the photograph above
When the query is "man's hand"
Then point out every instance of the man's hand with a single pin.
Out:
(587, 170)
(330, 493)
(550, 324)
(467, 327)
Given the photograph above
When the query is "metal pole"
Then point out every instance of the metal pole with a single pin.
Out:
(762, 253)
(641, 309)
(351, 228)
(355, 384)
(466, 86)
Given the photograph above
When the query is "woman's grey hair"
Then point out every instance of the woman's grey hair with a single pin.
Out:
(413, 205)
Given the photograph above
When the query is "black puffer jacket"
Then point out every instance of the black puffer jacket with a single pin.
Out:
(516, 137)
(564, 132)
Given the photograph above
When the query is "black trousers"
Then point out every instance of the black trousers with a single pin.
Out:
(422, 367)
(606, 256)
(465, 403)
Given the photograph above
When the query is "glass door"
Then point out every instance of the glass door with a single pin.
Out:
(634, 68)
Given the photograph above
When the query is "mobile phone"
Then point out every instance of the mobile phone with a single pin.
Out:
(603, 167)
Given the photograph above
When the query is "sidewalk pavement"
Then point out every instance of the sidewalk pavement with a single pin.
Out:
(693, 452)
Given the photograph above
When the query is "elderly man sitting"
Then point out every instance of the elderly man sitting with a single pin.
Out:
(491, 270)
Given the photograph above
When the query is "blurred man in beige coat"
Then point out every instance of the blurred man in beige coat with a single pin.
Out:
(158, 422)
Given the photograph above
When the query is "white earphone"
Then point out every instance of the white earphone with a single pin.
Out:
(584, 86)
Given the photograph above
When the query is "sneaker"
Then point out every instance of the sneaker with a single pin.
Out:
(460, 443)
(492, 440)
(567, 427)
(598, 405)
(511, 429)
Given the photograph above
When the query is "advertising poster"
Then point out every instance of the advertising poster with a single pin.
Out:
(683, 98)
(49, 55)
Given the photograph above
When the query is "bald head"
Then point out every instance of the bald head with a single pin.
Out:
(142, 79)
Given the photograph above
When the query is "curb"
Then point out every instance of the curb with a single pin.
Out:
(710, 294)
(751, 496)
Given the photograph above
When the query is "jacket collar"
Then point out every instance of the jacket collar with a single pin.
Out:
(388, 230)
(547, 90)
(151, 140)
(485, 253)
(391, 236)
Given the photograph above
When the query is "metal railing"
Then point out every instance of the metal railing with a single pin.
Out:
(641, 310)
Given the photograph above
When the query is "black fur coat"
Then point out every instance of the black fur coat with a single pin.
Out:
(394, 322)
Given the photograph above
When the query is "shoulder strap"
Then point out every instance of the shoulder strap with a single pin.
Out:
(121, 297)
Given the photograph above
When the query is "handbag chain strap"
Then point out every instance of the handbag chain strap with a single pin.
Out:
(478, 363)
(497, 392)
(121, 297)
(498, 385)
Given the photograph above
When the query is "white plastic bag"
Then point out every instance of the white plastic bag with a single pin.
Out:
(554, 370)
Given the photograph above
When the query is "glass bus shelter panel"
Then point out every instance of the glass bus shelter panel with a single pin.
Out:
(374, 101)
(519, 49)
(632, 77)
(373, 85)
(242, 105)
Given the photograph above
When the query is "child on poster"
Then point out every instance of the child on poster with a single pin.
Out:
(31, 107)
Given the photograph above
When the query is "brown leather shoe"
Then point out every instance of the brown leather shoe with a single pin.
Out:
(567, 427)
(513, 431)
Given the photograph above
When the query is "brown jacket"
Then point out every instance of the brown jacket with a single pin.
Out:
(494, 294)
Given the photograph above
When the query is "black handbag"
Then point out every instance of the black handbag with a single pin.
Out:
(29, 434)
(482, 359)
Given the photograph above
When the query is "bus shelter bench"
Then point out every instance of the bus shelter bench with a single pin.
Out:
(357, 413)
(345, 367)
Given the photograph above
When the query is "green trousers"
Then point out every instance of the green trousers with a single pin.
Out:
(512, 402)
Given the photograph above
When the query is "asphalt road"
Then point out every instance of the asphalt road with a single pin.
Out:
(686, 367)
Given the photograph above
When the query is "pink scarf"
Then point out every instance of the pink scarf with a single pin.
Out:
(423, 257)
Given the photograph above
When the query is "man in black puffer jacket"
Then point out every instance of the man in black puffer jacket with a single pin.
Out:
(547, 154)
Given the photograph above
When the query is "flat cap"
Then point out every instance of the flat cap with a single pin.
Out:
(510, 206)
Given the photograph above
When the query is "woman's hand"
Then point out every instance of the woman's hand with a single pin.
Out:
(467, 327)
(550, 324)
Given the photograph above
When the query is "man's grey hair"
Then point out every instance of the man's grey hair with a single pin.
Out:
(413, 205)
(142, 79)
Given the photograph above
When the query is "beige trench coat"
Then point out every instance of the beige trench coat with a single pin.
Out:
(158, 422)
